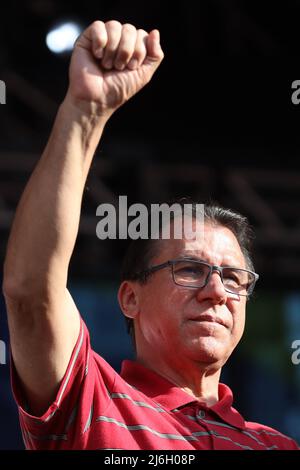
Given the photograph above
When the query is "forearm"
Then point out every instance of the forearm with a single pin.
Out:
(42, 316)
(47, 219)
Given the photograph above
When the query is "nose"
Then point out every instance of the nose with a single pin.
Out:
(214, 290)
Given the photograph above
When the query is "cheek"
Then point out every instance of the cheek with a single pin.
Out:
(160, 308)
(164, 296)
(238, 316)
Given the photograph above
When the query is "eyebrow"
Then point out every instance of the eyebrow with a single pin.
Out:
(191, 257)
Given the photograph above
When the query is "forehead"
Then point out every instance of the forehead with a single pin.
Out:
(217, 245)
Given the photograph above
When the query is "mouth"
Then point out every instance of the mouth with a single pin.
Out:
(208, 319)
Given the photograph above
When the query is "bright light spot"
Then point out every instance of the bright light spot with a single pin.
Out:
(61, 38)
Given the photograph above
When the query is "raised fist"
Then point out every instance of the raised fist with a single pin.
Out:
(111, 62)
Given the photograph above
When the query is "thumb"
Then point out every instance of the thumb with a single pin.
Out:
(154, 51)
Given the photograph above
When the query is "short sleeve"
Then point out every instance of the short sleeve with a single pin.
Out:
(86, 385)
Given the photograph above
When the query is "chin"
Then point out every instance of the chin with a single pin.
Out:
(210, 351)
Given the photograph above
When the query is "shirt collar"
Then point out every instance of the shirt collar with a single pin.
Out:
(172, 397)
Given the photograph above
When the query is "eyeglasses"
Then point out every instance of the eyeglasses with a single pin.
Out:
(196, 274)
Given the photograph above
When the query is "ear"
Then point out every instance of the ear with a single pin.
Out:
(129, 299)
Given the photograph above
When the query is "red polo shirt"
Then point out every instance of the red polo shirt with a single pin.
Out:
(96, 408)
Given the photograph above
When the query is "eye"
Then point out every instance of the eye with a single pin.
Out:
(189, 269)
(234, 277)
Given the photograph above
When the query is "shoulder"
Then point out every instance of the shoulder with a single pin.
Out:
(271, 437)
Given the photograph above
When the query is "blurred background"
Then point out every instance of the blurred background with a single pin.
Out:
(217, 122)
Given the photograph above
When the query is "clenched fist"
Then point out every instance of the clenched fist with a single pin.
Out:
(110, 63)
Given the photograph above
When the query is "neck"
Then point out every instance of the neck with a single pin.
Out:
(198, 380)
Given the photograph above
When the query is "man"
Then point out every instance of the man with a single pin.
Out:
(187, 306)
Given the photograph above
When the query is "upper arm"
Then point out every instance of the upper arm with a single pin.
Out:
(43, 333)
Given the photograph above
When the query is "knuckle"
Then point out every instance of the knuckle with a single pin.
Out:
(142, 41)
(129, 28)
(97, 24)
(98, 28)
(142, 32)
(140, 49)
(114, 24)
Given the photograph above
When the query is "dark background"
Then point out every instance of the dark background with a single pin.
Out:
(217, 121)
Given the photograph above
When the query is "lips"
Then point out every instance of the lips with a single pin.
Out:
(209, 318)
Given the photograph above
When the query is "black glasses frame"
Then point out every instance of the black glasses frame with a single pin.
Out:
(171, 263)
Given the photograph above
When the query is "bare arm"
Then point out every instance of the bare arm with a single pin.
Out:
(43, 320)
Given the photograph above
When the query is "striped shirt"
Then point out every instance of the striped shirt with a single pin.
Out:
(96, 408)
